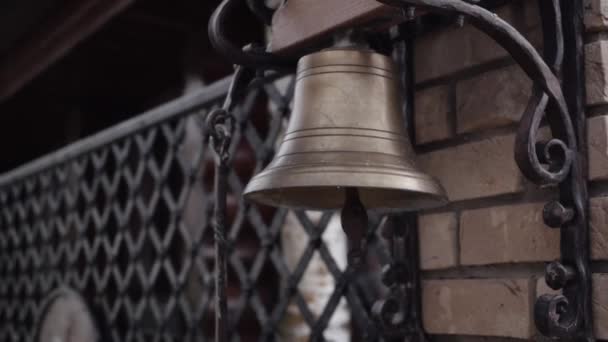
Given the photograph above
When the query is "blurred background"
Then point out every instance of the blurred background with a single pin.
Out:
(70, 68)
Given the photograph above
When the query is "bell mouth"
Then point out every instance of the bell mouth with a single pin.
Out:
(323, 198)
(405, 191)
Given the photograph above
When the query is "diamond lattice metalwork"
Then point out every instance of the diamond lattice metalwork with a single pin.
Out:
(124, 218)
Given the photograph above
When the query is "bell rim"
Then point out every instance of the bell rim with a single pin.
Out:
(262, 186)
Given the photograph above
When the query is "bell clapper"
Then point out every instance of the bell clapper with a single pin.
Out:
(355, 224)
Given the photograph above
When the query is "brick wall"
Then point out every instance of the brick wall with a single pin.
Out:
(483, 256)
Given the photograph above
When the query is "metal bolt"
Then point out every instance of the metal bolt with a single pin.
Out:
(387, 311)
(389, 275)
(556, 215)
(557, 275)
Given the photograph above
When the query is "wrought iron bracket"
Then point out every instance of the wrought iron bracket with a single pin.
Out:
(557, 99)
(561, 160)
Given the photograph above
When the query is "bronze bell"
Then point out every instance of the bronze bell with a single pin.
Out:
(346, 131)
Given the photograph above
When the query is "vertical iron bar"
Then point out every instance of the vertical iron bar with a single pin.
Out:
(568, 315)
(219, 212)
(415, 298)
(400, 313)
(414, 302)
(575, 235)
(408, 79)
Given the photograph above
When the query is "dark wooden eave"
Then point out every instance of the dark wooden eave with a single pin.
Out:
(301, 23)
(52, 38)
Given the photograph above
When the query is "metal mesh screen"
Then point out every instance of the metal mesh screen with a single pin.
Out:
(124, 218)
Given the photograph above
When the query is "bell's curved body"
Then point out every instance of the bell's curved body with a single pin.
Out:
(346, 130)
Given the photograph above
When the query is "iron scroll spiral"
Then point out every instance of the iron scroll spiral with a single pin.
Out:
(551, 162)
(547, 95)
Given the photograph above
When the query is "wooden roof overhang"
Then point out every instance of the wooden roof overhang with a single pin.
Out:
(55, 33)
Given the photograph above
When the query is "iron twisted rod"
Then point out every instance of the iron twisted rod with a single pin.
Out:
(220, 125)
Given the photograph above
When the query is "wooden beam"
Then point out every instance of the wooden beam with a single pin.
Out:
(300, 23)
(57, 35)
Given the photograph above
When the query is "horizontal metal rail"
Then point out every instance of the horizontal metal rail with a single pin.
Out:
(173, 109)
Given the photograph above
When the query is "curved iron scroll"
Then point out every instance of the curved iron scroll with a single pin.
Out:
(560, 160)
(250, 56)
